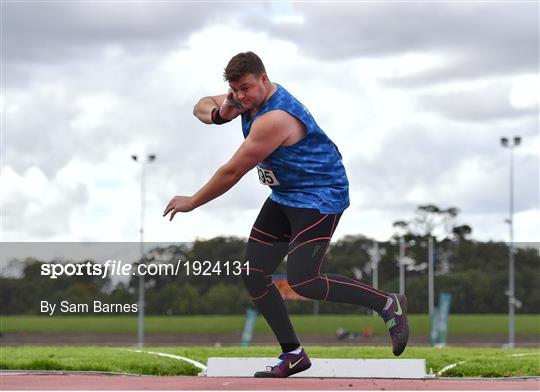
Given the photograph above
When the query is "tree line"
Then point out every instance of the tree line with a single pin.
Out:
(474, 272)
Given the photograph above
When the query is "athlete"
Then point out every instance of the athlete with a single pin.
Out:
(309, 192)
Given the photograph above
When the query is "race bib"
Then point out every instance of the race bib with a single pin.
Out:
(267, 177)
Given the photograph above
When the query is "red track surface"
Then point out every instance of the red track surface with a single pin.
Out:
(10, 381)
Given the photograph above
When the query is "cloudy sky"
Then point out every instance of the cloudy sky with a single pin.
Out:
(415, 94)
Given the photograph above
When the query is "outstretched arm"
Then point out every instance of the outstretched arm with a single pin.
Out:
(266, 135)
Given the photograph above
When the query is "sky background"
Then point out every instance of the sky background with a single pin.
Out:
(415, 94)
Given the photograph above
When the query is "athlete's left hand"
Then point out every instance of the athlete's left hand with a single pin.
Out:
(179, 204)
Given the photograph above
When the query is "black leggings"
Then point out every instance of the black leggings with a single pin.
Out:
(303, 235)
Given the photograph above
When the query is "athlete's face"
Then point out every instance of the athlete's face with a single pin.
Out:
(251, 90)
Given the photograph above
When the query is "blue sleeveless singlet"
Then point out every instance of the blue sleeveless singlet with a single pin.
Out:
(307, 174)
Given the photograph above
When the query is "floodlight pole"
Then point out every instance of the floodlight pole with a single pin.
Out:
(375, 260)
(431, 289)
(511, 275)
(140, 315)
(401, 265)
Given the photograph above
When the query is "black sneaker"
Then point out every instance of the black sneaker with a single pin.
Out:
(289, 364)
(395, 318)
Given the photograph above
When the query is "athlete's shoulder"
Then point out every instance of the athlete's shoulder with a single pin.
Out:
(274, 118)
(269, 130)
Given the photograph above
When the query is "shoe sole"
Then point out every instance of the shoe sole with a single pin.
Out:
(265, 375)
(273, 375)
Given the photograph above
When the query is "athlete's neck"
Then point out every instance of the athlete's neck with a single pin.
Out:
(271, 90)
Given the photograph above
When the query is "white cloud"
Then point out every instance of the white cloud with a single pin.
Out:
(71, 126)
(525, 92)
(34, 206)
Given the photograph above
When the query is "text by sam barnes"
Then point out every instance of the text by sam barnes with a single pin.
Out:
(96, 307)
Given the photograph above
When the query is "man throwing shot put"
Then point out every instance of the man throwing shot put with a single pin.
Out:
(310, 191)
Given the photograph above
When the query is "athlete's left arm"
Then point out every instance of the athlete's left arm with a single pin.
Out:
(267, 133)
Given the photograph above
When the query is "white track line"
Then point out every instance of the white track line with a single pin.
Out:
(453, 365)
(194, 363)
(444, 369)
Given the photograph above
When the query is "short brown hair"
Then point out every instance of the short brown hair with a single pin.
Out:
(242, 64)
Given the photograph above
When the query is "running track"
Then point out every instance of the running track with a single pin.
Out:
(64, 381)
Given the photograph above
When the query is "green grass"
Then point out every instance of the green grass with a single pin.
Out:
(479, 362)
(419, 324)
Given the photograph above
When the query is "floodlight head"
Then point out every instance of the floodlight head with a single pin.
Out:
(134, 157)
(517, 140)
(504, 141)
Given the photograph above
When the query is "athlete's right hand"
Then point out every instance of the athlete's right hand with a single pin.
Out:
(230, 108)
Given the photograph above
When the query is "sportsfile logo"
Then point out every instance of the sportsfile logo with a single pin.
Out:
(117, 267)
(110, 267)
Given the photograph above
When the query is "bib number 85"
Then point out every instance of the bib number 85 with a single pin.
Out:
(267, 177)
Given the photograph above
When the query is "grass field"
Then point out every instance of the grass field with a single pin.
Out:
(479, 362)
(419, 324)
